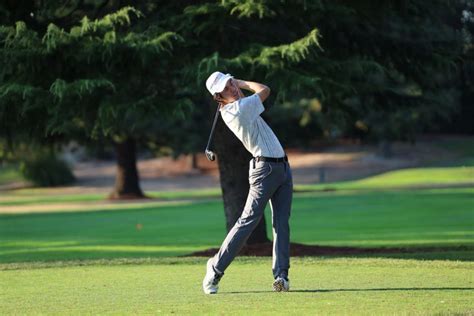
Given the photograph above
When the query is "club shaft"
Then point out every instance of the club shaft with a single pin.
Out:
(211, 135)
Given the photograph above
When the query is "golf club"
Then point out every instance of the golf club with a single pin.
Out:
(209, 153)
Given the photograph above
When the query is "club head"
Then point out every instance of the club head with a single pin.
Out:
(210, 155)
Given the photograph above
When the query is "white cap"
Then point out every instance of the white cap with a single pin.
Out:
(217, 81)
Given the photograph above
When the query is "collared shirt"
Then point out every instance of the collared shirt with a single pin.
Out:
(243, 119)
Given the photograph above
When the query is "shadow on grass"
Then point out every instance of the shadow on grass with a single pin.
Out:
(467, 255)
(73, 255)
(363, 290)
(94, 251)
(458, 252)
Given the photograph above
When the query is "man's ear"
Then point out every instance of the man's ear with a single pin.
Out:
(218, 97)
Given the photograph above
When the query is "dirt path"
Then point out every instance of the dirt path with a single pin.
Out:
(341, 162)
(346, 161)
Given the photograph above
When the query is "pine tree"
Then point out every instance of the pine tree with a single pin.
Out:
(104, 77)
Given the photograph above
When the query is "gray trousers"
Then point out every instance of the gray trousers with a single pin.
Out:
(268, 181)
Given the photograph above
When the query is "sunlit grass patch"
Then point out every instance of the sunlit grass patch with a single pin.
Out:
(173, 286)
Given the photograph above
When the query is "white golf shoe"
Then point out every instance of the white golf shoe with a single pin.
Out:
(281, 285)
(210, 284)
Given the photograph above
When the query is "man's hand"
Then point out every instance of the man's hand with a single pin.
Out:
(262, 90)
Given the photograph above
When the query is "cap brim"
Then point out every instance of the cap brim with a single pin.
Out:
(219, 87)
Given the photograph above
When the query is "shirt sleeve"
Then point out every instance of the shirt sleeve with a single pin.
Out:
(250, 108)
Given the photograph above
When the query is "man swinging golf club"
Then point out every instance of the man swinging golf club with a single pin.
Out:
(270, 178)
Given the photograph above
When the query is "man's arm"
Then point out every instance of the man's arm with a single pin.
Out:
(262, 90)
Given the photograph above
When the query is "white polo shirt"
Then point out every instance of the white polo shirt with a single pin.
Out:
(243, 119)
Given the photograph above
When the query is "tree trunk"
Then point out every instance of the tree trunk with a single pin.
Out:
(233, 160)
(127, 185)
(194, 164)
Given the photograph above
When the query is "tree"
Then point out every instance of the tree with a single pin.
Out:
(411, 53)
(210, 30)
(101, 77)
(465, 19)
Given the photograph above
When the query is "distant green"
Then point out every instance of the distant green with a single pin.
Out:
(405, 178)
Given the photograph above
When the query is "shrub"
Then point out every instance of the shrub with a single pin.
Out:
(46, 170)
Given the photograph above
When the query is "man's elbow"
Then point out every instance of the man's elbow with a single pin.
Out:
(264, 93)
(268, 90)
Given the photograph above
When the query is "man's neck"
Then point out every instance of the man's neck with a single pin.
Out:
(230, 101)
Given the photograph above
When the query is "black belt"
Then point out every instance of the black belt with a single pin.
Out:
(270, 159)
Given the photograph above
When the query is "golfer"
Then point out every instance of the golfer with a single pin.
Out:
(269, 178)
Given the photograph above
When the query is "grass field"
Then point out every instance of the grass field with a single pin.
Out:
(436, 217)
(363, 286)
(405, 178)
(124, 258)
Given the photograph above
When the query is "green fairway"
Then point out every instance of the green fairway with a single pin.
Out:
(436, 217)
(122, 258)
(173, 286)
